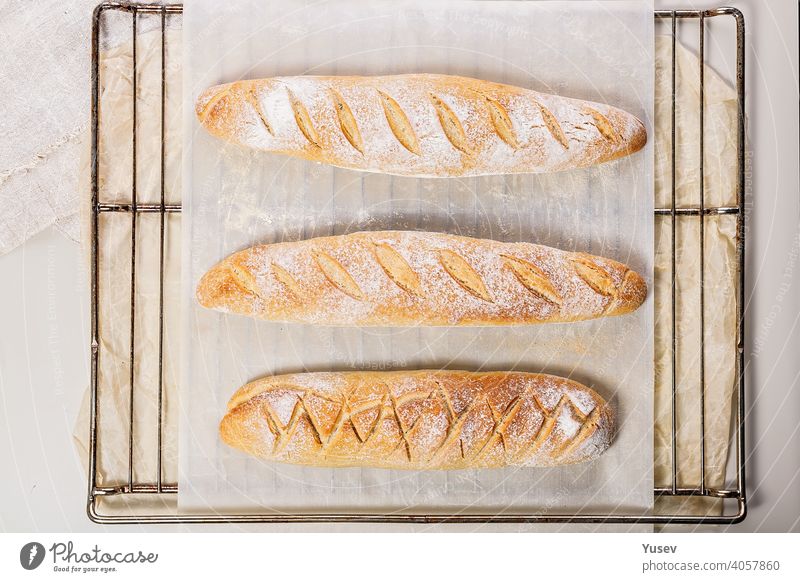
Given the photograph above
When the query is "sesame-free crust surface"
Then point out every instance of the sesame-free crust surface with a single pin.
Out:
(403, 278)
(418, 124)
(419, 420)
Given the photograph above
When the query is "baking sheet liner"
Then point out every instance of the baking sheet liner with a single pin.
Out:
(235, 198)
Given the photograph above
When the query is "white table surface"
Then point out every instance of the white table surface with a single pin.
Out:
(44, 324)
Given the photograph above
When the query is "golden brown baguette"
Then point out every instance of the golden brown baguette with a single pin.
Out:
(396, 278)
(419, 420)
(419, 125)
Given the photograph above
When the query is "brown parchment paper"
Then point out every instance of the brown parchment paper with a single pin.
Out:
(114, 274)
(720, 277)
(115, 148)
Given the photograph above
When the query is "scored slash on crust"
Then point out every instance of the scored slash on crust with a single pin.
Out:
(501, 122)
(364, 433)
(399, 124)
(463, 274)
(596, 277)
(212, 103)
(252, 98)
(303, 119)
(338, 275)
(604, 126)
(553, 125)
(347, 122)
(533, 279)
(397, 268)
(451, 126)
(285, 279)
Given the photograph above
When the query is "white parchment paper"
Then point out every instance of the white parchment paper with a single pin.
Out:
(234, 198)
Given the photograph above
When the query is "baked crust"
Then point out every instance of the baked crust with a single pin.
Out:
(405, 278)
(419, 420)
(419, 124)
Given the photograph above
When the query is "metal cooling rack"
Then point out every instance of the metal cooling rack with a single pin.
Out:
(158, 490)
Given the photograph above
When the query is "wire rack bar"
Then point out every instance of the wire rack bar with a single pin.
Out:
(134, 217)
(162, 218)
(740, 241)
(168, 208)
(158, 489)
(702, 257)
(153, 488)
(674, 225)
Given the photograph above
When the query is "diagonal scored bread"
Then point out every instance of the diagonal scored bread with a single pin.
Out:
(419, 125)
(396, 278)
(419, 420)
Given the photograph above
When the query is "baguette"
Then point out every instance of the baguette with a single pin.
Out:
(418, 125)
(419, 420)
(403, 278)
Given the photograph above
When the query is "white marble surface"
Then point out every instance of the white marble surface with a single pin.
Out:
(44, 323)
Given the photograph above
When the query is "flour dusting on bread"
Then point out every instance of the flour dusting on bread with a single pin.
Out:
(418, 278)
(419, 124)
(419, 420)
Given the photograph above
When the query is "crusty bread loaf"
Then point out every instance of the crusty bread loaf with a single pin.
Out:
(419, 420)
(396, 278)
(419, 125)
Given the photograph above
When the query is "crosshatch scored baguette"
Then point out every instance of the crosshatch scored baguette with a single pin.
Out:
(393, 278)
(419, 420)
(419, 125)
